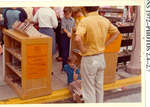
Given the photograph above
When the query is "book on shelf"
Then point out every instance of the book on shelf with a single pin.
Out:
(26, 28)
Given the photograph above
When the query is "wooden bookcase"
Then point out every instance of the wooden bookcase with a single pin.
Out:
(28, 63)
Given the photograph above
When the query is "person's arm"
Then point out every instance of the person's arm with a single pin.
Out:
(35, 18)
(75, 75)
(80, 32)
(63, 27)
(80, 44)
(112, 38)
(54, 20)
(68, 33)
(23, 15)
(114, 33)
(78, 73)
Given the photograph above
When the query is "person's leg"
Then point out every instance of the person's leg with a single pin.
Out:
(52, 34)
(100, 79)
(71, 87)
(58, 37)
(88, 75)
(99, 86)
(48, 32)
(59, 57)
(75, 88)
(68, 47)
(59, 44)
(65, 49)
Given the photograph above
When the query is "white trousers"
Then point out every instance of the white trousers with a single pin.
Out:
(92, 74)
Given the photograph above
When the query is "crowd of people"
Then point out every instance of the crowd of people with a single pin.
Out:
(52, 21)
(63, 24)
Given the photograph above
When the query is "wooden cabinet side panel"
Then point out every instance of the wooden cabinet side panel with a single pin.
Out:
(30, 55)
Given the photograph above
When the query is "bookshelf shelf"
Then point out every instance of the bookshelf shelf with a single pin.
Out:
(14, 69)
(16, 87)
(14, 52)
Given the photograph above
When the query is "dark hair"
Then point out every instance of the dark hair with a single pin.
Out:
(91, 8)
(67, 10)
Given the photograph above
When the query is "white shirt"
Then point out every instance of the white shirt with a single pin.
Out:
(46, 17)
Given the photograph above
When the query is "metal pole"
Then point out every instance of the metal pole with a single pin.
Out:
(135, 64)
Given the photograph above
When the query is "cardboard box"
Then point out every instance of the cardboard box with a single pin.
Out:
(111, 65)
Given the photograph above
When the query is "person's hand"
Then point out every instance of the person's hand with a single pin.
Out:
(107, 43)
(75, 76)
(69, 35)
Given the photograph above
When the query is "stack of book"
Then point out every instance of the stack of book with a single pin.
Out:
(27, 28)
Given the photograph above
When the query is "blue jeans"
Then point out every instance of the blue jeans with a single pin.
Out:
(49, 32)
(65, 43)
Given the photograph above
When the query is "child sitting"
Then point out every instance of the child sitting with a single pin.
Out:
(74, 80)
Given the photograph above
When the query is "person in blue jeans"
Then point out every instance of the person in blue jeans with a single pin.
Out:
(67, 26)
(47, 21)
(73, 79)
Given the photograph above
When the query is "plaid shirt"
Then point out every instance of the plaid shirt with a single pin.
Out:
(67, 24)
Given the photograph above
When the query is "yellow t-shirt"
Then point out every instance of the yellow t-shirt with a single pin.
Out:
(93, 31)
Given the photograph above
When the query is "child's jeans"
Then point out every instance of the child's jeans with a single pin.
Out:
(65, 43)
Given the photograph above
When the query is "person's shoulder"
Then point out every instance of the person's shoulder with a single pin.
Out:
(104, 18)
(84, 21)
(52, 10)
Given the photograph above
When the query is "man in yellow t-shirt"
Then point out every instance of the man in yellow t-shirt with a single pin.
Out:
(91, 40)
